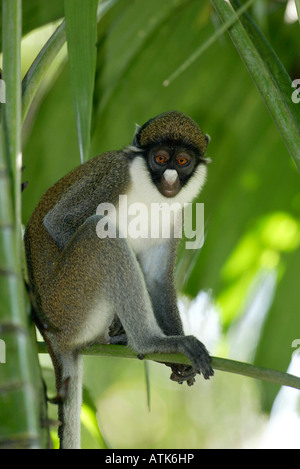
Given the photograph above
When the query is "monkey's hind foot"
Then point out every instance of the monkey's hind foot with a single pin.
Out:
(181, 373)
(118, 340)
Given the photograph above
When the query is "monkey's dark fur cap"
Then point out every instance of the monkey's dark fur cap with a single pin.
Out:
(172, 126)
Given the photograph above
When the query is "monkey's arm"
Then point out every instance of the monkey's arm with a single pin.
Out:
(69, 212)
(158, 265)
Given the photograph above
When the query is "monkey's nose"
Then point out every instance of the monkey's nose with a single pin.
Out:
(170, 176)
(170, 185)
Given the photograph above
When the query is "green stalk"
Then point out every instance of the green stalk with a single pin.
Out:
(21, 393)
(220, 364)
(11, 37)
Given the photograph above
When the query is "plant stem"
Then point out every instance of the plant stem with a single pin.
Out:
(21, 387)
(220, 364)
(11, 37)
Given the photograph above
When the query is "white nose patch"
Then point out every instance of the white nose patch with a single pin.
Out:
(170, 175)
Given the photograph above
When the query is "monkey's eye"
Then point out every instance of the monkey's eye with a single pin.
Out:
(162, 157)
(183, 159)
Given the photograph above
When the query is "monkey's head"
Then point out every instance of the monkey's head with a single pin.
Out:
(173, 146)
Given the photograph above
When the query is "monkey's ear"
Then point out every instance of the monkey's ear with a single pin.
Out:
(207, 138)
(135, 139)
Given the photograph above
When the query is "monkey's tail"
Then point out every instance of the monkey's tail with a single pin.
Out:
(70, 406)
(68, 374)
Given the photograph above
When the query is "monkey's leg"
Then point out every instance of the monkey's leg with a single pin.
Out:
(126, 291)
(121, 284)
(92, 279)
(180, 373)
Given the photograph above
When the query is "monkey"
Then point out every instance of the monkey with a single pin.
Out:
(86, 288)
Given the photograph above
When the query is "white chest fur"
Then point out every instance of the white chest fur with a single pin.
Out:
(144, 216)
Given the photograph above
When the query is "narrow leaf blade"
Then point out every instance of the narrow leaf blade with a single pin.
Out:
(268, 74)
(81, 29)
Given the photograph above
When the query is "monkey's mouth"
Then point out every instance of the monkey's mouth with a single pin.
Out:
(169, 189)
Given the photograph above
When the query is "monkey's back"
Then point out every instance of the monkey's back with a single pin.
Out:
(41, 250)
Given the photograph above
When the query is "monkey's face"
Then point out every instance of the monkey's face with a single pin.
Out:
(170, 168)
(172, 147)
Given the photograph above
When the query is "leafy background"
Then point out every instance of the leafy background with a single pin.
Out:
(241, 289)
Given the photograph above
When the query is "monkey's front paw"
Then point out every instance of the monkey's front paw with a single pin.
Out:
(198, 355)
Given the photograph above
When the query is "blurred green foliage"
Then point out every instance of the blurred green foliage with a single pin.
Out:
(252, 198)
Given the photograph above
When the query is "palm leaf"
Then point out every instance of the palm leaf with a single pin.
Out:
(81, 28)
(269, 75)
